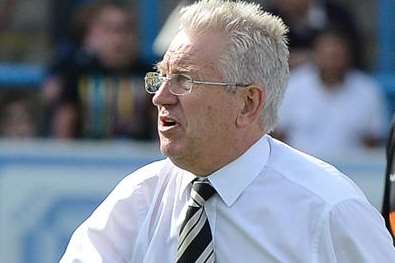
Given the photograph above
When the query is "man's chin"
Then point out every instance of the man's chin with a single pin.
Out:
(169, 148)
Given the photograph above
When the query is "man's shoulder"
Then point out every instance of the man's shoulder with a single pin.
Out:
(312, 176)
(149, 175)
(139, 188)
(303, 83)
(303, 74)
(363, 86)
(362, 78)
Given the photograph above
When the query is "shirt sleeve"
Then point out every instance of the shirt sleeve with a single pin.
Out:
(354, 231)
(111, 232)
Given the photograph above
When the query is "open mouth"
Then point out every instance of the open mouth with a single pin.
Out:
(168, 122)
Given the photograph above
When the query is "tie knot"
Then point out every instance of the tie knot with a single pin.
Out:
(201, 192)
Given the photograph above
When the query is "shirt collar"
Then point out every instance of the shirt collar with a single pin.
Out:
(231, 180)
(185, 177)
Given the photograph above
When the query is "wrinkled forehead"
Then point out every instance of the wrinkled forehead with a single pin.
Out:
(193, 52)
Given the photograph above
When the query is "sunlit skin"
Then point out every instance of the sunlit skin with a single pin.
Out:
(208, 128)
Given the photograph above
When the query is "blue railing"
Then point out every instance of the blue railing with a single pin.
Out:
(149, 27)
(21, 75)
(386, 37)
(386, 50)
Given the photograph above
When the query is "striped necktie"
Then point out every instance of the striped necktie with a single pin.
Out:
(195, 242)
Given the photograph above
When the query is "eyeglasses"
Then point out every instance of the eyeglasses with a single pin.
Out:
(180, 84)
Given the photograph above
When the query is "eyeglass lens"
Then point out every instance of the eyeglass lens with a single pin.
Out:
(152, 82)
(179, 83)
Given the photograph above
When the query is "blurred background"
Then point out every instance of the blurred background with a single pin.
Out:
(75, 120)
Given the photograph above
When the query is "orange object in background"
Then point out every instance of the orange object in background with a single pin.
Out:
(388, 209)
(392, 222)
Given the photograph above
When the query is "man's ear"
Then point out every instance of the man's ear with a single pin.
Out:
(252, 105)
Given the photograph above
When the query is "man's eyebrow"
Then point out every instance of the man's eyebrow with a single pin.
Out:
(160, 66)
(182, 70)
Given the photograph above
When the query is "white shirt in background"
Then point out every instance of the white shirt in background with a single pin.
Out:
(330, 123)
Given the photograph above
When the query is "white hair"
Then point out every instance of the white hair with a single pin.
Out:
(257, 51)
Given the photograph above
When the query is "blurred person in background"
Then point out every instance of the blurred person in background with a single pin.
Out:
(97, 92)
(17, 117)
(330, 108)
(306, 18)
(6, 13)
(64, 30)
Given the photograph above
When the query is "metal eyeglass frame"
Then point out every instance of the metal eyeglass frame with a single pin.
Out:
(153, 81)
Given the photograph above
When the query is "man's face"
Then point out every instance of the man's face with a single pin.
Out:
(327, 48)
(195, 127)
(113, 38)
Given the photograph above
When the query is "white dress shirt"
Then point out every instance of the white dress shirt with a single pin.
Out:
(274, 204)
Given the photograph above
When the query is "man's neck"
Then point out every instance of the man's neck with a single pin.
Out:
(229, 153)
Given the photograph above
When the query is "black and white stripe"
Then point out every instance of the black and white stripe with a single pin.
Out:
(195, 242)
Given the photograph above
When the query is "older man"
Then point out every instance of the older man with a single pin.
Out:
(227, 191)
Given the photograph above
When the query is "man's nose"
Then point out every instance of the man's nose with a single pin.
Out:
(163, 96)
